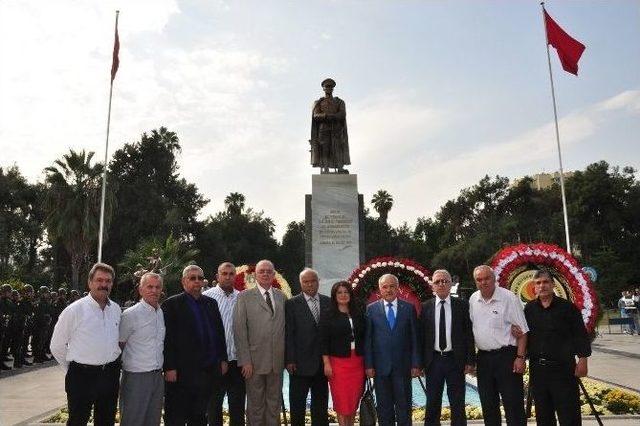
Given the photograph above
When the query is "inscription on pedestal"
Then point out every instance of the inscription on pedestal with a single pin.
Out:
(335, 227)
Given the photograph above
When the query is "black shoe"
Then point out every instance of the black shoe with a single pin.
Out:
(26, 362)
(4, 366)
(37, 360)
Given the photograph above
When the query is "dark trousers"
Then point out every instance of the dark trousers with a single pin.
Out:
(185, 402)
(231, 384)
(496, 380)
(445, 369)
(17, 337)
(555, 390)
(393, 397)
(90, 387)
(39, 341)
(299, 387)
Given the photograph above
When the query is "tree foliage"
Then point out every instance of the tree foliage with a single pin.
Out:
(73, 194)
(153, 200)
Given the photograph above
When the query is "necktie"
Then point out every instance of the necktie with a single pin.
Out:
(442, 335)
(268, 299)
(391, 317)
(314, 309)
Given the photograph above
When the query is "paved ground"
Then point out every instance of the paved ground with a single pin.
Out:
(616, 360)
(29, 394)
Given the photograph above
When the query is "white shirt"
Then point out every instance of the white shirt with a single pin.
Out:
(447, 323)
(394, 306)
(492, 319)
(142, 329)
(86, 334)
(226, 305)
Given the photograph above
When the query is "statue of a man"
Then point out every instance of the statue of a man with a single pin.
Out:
(329, 140)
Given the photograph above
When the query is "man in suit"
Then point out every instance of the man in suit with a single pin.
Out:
(303, 354)
(448, 349)
(195, 352)
(259, 333)
(391, 353)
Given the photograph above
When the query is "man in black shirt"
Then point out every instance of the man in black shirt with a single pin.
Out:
(556, 337)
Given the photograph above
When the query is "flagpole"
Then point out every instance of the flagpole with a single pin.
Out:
(555, 116)
(106, 158)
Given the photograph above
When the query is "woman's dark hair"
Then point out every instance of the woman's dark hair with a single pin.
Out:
(353, 304)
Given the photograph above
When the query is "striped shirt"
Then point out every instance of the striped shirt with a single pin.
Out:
(226, 304)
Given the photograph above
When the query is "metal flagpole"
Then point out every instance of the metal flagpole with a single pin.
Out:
(555, 116)
(106, 158)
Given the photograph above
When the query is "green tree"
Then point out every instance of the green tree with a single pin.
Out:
(172, 257)
(234, 203)
(238, 238)
(73, 207)
(21, 226)
(291, 255)
(153, 200)
(382, 202)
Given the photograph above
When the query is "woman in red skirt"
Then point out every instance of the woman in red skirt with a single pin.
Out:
(342, 332)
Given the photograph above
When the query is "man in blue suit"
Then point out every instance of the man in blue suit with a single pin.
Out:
(392, 354)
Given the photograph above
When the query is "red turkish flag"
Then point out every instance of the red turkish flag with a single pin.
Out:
(116, 60)
(569, 49)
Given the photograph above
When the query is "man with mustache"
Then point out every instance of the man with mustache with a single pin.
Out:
(85, 344)
(195, 351)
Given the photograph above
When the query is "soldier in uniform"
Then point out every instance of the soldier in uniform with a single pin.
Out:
(27, 309)
(7, 312)
(58, 303)
(16, 330)
(73, 296)
(329, 139)
(41, 323)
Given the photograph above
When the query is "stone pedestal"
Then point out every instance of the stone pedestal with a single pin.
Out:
(334, 226)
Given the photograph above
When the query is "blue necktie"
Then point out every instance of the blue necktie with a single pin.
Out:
(391, 317)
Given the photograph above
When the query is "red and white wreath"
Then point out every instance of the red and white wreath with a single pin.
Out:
(515, 265)
(246, 279)
(413, 278)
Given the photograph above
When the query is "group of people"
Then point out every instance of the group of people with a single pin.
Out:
(196, 347)
(26, 323)
(629, 305)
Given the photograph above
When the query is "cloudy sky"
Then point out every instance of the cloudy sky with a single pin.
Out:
(438, 93)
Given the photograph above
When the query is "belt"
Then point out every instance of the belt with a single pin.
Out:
(497, 351)
(547, 362)
(101, 367)
(443, 353)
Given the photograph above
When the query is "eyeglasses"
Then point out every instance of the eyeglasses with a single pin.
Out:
(196, 278)
(440, 282)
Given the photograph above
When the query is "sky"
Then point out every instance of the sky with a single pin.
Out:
(438, 93)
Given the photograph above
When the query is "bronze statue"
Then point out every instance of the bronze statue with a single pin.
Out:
(329, 140)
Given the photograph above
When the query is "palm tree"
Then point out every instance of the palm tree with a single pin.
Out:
(164, 256)
(73, 207)
(234, 202)
(382, 202)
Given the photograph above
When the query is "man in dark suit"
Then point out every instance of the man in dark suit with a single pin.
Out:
(302, 351)
(195, 352)
(448, 349)
(391, 354)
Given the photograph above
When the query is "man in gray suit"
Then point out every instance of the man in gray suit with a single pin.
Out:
(258, 328)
